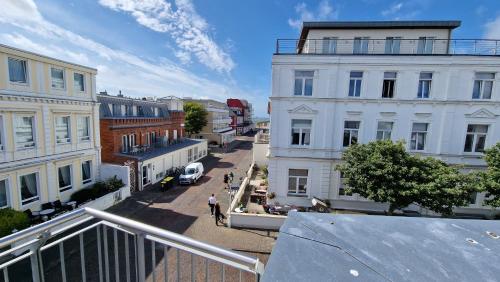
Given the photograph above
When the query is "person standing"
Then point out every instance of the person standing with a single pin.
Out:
(211, 204)
(231, 176)
(218, 214)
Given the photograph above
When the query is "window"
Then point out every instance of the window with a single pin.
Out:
(117, 110)
(425, 45)
(384, 130)
(351, 132)
(360, 45)
(475, 138)
(129, 110)
(297, 182)
(483, 84)
(57, 78)
(303, 83)
(418, 136)
(190, 155)
(473, 198)
(343, 188)
(424, 85)
(175, 134)
(388, 86)
(1, 134)
(329, 45)
(4, 194)
(78, 82)
(86, 172)
(153, 137)
(29, 188)
(140, 111)
(17, 71)
(166, 134)
(25, 137)
(84, 128)
(195, 153)
(131, 140)
(392, 45)
(64, 178)
(125, 144)
(301, 132)
(62, 130)
(355, 83)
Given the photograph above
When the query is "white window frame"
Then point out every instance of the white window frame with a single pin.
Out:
(362, 40)
(481, 85)
(125, 144)
(67, 187)
(422, 81)
(416, 138)
(33, 131)
(83, 82)
(297, 183)
(37, 197)
(391, 47)
(384, 132)
(394, 88)
(26, 71)
(2, 134)
(358, 130)
(355, 79)
(79, 123)
(64, 78)
(301, 141)
(7, 192)
(303, 79)
(426, 40)
(89, 180)
(475, 137)
(65, 140)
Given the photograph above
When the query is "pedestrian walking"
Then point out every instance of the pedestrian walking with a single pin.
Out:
(219, 217)
(231, 175)
(211, 204)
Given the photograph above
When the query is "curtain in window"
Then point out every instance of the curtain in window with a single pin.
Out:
(24, 131)
(64, 176)
(83, 128)
(57, 78)
(62, 129)
(3, 193)
(28, 186)
(17, 70)
(86, 170)
(78, 81)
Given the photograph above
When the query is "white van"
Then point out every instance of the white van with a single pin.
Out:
(191, 174)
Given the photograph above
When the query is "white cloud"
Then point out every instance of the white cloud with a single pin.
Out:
(117, 70)
(493, 29)
(324, 11)
(393, 9)
(188, 29)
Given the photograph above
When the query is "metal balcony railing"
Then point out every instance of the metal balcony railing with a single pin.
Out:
(429, 46)
(93, 245)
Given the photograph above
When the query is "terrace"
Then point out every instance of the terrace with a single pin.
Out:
(90, 245)
(392, 47)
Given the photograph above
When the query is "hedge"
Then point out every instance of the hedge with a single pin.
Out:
(97, 190)
(11, 219)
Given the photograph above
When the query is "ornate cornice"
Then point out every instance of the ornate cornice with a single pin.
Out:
(44, 100)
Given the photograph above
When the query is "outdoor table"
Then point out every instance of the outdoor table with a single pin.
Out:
(45, 213)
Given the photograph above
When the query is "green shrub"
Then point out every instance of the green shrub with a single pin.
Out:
(99, 189)
(11, 219)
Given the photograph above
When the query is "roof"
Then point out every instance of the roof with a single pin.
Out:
(163, 150)
(306, 26)
(325, 247)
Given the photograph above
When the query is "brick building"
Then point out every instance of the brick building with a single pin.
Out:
(147, 136)
(242, 118)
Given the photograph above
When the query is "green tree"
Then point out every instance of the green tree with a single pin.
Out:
(445, 187)
(383, 171)
(490, 179)
(196, 117)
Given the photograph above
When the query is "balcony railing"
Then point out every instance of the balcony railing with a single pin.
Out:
(482, 47)
(158, 144)
(93, 245)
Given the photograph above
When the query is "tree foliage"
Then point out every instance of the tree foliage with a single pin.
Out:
(490, 179)
(196, 117)
(385, 172)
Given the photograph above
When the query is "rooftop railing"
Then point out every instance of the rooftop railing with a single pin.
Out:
(93, 245)
(428, 46)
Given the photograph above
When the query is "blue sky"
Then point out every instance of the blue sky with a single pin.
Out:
(202, 48)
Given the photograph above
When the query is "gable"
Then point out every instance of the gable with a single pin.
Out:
(302, 109)
(482, 113)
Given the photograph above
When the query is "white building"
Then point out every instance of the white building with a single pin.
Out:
(49, 129)
(347, 82)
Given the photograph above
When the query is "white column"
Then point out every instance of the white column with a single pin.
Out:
(47, 129)
(52, 187)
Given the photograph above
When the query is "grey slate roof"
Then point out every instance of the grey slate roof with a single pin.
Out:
(324, 247)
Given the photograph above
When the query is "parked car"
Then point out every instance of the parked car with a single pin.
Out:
(191, 174)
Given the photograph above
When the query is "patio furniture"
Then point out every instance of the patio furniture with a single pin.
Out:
(71, 205)
(46, 214)
(34, 217)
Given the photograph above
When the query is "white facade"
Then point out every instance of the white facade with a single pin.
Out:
(325, 119)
